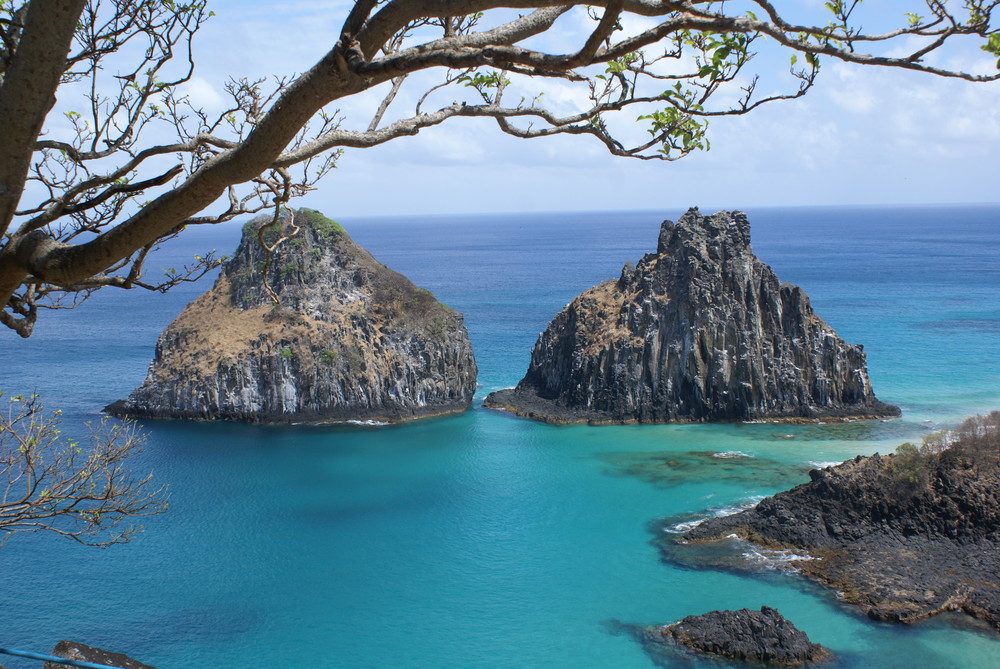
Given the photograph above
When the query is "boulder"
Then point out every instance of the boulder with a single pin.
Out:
(83, 653)
(762, 637)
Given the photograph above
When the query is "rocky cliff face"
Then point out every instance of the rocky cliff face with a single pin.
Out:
(699, 331)
(905, 536)
(350, 339)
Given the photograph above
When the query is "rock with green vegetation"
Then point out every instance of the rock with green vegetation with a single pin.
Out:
(348, 339)
(906, 536)
(701, 330)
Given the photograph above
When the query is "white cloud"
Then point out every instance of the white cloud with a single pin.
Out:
(204, 95)
(862, 135)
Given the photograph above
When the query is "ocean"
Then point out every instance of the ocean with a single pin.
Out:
(481, 539)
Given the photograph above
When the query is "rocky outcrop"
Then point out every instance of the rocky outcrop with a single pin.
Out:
(905, 536)
(349, 339)
(71, 650)
(762, 637)
(701, 330)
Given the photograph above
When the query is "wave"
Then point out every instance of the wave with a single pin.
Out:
(731, 454)
(718, 512)
(823, 464)
(771, 559)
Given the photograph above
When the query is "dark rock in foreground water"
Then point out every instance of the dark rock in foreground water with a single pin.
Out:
(701, 330)
(905, 536)
(350, 340)
(77, 651)
(762, 637)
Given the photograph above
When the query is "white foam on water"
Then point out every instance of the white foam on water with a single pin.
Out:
(823, 464)
(725, 455)
(774, 560)
(721, 512)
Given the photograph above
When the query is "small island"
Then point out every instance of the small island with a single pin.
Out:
(762, 638)
(347, 339)
(701, 330)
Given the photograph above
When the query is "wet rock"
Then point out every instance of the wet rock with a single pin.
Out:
(762, 637)
(350, 339)
(83, 653)
(905, 536)
(701, 330)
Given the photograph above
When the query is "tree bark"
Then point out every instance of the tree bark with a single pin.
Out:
(28, 91)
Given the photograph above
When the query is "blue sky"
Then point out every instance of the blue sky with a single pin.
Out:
(861, 136)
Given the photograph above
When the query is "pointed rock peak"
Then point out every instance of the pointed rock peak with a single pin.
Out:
(725, 229)
(700, 331)
(308, 226)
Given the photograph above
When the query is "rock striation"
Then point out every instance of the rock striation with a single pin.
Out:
(701, 330)
(349, 339)
(905, 536)
(763, 638)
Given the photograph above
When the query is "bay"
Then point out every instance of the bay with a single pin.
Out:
(483, 540)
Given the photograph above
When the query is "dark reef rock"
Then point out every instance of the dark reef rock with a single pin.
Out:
(82, 653)
(350, 340)
(905, 536)
(762, 637)
(699, 331)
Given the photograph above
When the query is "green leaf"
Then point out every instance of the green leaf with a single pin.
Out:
(992, 44)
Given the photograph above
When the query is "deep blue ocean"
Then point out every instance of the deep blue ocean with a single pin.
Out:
(484, 540)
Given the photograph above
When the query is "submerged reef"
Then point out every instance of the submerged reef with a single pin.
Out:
(668, 469)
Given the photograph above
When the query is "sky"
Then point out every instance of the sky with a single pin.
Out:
(863, 135)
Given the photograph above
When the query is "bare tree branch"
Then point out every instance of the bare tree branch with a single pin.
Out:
(105, 197)
(77, 489)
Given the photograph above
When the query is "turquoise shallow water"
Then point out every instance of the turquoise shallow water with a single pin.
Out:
(483, 540)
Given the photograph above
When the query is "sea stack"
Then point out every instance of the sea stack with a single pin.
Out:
(348, 339)
(701, 330)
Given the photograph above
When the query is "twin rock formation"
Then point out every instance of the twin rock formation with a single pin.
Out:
(699, 331)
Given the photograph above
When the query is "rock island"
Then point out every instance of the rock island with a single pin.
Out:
(348, 339)
(701, 330)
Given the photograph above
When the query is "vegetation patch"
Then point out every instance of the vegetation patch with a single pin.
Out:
(325, 228)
